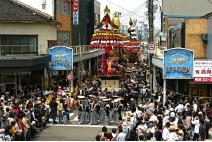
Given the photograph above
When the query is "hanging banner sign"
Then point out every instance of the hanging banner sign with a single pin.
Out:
(61, 58)
(178, 63)
(75, 12)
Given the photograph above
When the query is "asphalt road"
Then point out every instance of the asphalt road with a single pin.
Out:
(72, 131)
(69, 133)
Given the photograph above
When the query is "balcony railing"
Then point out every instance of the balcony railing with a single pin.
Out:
(81, 49)
(8, 50)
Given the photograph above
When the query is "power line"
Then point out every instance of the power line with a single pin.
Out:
(171, 7)
(209, 1)
(124, 8)
(138, 8)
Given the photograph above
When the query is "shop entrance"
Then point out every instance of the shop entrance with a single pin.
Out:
(10, 88)
(2, 88)
(7, 88)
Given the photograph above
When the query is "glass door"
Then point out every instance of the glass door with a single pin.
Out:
(10, 88)
(2, 88)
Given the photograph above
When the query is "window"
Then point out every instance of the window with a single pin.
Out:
(97, 19)
(18, 44)
(63, 38)
(63, 7)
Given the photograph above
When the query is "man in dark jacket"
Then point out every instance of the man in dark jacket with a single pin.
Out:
(202, 130)
(53, 105)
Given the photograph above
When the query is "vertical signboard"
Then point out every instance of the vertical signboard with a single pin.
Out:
(75, 12)
(178, 63)
(61, 58)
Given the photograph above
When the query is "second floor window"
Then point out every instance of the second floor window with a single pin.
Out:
(63, 7)
(18, 44)
(63, 38)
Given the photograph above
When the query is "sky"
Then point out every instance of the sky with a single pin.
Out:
(135, 9)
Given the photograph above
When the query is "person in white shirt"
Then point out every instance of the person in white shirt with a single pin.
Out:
(194, 106)
(172, 135)
(185, 107)
(195, 121)
(166, 118)
(153, 117)
(19, 131)
(141, 128)
(165, 134)
(121, 136)
(172, 113)
(151, 128)
(180, 108)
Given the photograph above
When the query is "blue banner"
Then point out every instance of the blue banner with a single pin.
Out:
(178, 63)
(61, 58)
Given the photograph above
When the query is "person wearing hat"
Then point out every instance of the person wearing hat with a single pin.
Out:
(120, 107)
(107, 111)
(172, 135)
(83, 110)
(126, 129)
(115, 112)
(102, 107)
(180, 135)
(93, 112)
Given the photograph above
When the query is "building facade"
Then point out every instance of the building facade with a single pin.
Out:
(186, 28)
(24, 35)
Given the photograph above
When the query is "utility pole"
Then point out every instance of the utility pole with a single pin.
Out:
(151, 39)
(161, 27)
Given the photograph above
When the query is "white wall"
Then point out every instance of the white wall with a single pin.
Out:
(45, 32)
(110, 84)
(49, 8)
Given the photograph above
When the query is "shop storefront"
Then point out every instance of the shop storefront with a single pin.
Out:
(61, 64)
(17, 72)
(201, 85)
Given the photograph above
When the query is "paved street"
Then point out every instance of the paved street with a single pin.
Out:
(69, 133)
(72, 131)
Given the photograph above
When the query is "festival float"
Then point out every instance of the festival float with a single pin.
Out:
(112, 64)
(132, 45)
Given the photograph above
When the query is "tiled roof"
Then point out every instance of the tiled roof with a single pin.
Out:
(14, 11)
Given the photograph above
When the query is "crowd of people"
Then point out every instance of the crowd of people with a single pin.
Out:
(138, 113)
(182, 118)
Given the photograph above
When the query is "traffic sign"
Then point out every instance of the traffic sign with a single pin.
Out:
(69, 77)
(151, 47)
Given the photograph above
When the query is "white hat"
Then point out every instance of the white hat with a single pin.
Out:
(171, 109)
(124, 125)
(33, 123)
(2, 130)
(200, 113)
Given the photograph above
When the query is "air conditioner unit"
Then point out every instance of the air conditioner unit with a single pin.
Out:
(43, 2)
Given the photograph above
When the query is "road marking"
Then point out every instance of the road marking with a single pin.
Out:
(71, 114)
(75, 119)
(91, 126)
